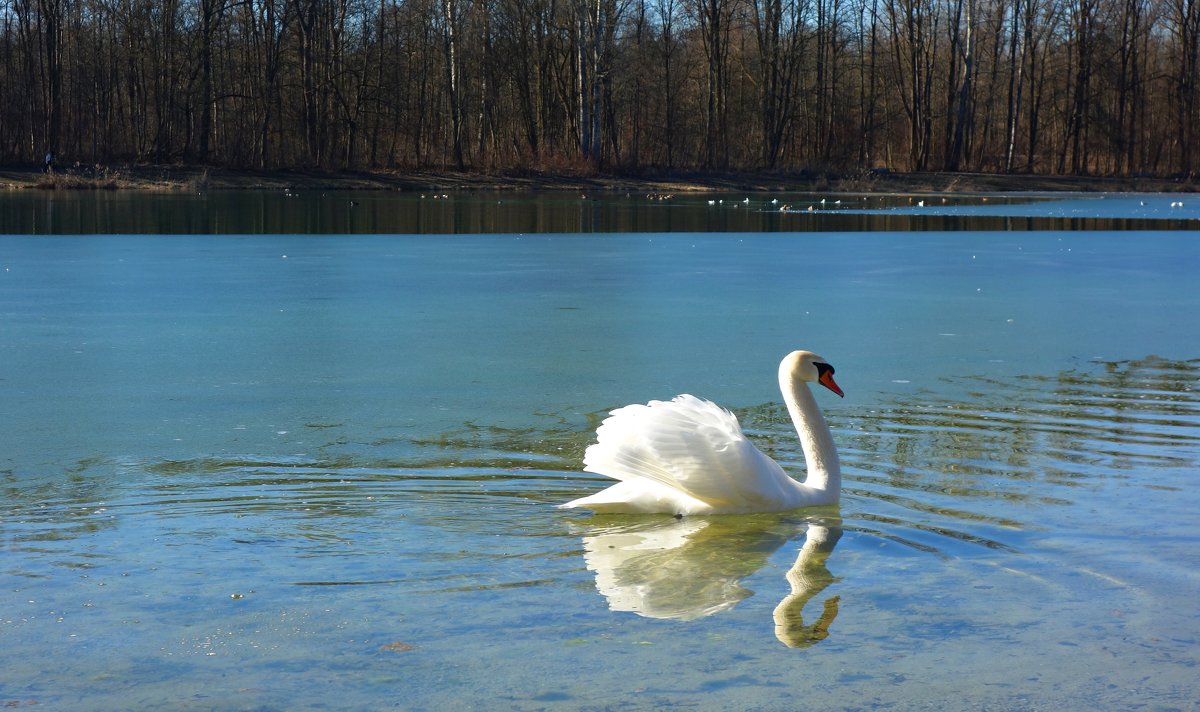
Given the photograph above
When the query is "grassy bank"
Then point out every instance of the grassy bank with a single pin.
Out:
(199, 178)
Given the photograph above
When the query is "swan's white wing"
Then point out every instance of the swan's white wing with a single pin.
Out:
(691, 445)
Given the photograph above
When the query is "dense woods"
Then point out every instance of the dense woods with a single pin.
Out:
(1043, 86)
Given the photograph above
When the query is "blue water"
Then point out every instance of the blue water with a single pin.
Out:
(318, 471)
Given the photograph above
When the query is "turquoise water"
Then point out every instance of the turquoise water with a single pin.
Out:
(284, 472)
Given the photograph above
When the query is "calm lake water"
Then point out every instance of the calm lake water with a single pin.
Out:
(300, 470)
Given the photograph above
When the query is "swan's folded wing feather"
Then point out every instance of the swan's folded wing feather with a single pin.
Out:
(688, 444)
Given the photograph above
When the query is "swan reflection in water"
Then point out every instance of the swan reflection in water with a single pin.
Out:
(808, 577)
(684, 569)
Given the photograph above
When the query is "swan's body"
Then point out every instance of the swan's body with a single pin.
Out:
(690, 456)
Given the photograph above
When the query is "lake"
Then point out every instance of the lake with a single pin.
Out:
(302, 452)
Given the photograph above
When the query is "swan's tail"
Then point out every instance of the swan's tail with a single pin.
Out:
(640, 496)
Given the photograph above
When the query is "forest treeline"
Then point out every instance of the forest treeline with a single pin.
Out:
(1100, 87)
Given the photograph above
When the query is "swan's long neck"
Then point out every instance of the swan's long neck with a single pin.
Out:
(820, 454)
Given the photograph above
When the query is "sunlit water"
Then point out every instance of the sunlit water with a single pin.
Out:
(285, 472)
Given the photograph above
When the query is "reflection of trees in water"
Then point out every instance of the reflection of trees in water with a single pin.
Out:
(48, 514)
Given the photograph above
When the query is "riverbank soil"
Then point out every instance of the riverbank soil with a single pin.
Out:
(199, 178)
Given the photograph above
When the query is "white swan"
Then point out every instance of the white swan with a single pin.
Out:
(690, 456)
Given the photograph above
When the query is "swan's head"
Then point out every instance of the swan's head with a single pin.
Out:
(807, 366)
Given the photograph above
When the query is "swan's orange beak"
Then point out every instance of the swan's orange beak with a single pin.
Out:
(826, 380)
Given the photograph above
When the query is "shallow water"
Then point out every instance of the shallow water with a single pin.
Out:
(318, 472)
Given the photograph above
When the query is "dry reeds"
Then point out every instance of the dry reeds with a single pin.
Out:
(92, 177)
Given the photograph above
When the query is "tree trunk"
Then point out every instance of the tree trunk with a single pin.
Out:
(52, 19)
(714, 31)
(1016, 65)
(450, 46)
(962, 124)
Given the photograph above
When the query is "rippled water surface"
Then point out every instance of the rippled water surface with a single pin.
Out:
(290, 472)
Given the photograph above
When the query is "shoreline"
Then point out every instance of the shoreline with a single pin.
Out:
(172, 178)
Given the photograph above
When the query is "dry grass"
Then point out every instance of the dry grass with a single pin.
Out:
(94, 177)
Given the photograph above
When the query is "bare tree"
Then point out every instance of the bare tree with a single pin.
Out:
(959, 88)
(913, 27)
(1080, 47)
(779, 30)
(1072, 86)
(1184, 21)
(716, 20)
(451, 31)
(669, 44)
